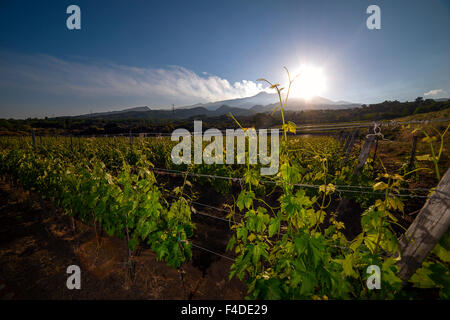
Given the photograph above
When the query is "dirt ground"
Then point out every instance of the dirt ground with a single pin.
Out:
(37, 246)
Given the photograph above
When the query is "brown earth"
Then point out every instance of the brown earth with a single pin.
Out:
(37, 246)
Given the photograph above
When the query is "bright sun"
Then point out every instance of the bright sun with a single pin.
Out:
(309, 83)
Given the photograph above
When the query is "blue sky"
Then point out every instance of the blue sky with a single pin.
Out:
(133, 53)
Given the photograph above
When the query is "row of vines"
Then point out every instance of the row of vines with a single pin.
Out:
(287, 240)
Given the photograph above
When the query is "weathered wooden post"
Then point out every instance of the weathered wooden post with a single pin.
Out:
(340, 136)
(374, 157)
(429, 226)
(350, 145)
(347, 139)
(413, 153)
(376, 149)
(364, 154)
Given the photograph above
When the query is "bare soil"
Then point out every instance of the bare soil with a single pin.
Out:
(37, 246)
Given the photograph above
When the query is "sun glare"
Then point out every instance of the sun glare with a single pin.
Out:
(309, 83)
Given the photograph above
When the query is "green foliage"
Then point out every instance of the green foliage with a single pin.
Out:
(288, 243)
(288, 252)
(435, 271)
(107, 186)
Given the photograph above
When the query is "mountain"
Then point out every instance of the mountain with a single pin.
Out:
(343, 102)
(260, 103)
(224, 109)
(110, 113)
(139, 109)
(263, 99)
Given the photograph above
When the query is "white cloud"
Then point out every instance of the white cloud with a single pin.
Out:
(433, 92)
(93, 80)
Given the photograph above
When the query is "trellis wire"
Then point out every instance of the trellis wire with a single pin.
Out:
(339, 188)
(208, 250)
(214, 217)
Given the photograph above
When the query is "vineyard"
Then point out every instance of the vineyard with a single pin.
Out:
(309, 232)
(217, 159)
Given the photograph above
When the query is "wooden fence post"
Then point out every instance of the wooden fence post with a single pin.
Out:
(350, 145)
(374, 157)
(341, 133)
(413, 153)
(429, 226)
(376, 149)
(347, 139)
(364, 154)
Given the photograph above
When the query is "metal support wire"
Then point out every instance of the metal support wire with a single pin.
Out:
(341, 188)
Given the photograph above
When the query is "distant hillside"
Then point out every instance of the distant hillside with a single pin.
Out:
(261, 103)
(265, 99)
(300, 105)
(144, 119)
(441, 114)
(114, 113)
(262, 98)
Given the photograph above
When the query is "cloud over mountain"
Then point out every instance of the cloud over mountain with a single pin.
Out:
(94, 80)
